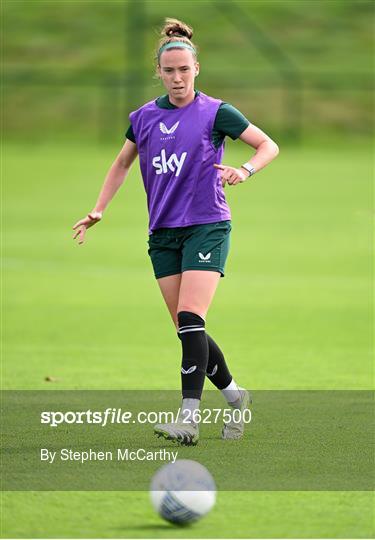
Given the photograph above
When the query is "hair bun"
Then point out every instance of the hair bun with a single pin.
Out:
(174, 27)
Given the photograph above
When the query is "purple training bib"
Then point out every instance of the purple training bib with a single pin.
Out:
(176, 157)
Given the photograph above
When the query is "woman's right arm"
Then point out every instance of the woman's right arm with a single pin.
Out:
(114, 179)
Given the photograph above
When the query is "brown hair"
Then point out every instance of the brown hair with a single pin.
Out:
(175, 30)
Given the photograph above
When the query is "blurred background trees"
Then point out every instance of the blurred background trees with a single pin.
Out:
(300, 70)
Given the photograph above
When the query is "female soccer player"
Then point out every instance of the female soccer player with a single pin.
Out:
(179, 138)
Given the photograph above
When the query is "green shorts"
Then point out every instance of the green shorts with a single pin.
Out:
(197, 247)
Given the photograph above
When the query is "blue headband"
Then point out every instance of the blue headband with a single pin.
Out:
(172, 44)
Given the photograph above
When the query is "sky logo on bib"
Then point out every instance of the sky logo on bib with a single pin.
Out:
(163, 164)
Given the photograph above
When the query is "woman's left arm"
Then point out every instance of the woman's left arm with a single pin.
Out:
(266, 148)
(266, 151)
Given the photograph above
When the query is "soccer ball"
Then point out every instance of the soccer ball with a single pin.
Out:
(183, 492)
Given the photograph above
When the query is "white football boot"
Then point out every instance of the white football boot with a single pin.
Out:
(184, 433)
(232, 429)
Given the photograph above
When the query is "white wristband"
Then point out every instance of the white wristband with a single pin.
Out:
(250, 169)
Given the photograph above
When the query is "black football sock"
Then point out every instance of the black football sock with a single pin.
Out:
(217, 369)
(192, 334)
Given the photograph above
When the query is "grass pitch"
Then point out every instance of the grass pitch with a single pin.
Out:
(293, 312)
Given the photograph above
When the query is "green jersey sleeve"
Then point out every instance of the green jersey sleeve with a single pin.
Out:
(229, 122)
(130, 134)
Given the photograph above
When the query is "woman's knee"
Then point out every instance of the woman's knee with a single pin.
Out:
(192, 308)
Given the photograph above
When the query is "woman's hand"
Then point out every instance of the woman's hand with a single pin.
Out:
(231, 175)
(84, 224)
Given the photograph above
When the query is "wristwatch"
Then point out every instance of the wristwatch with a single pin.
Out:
(249, 168)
